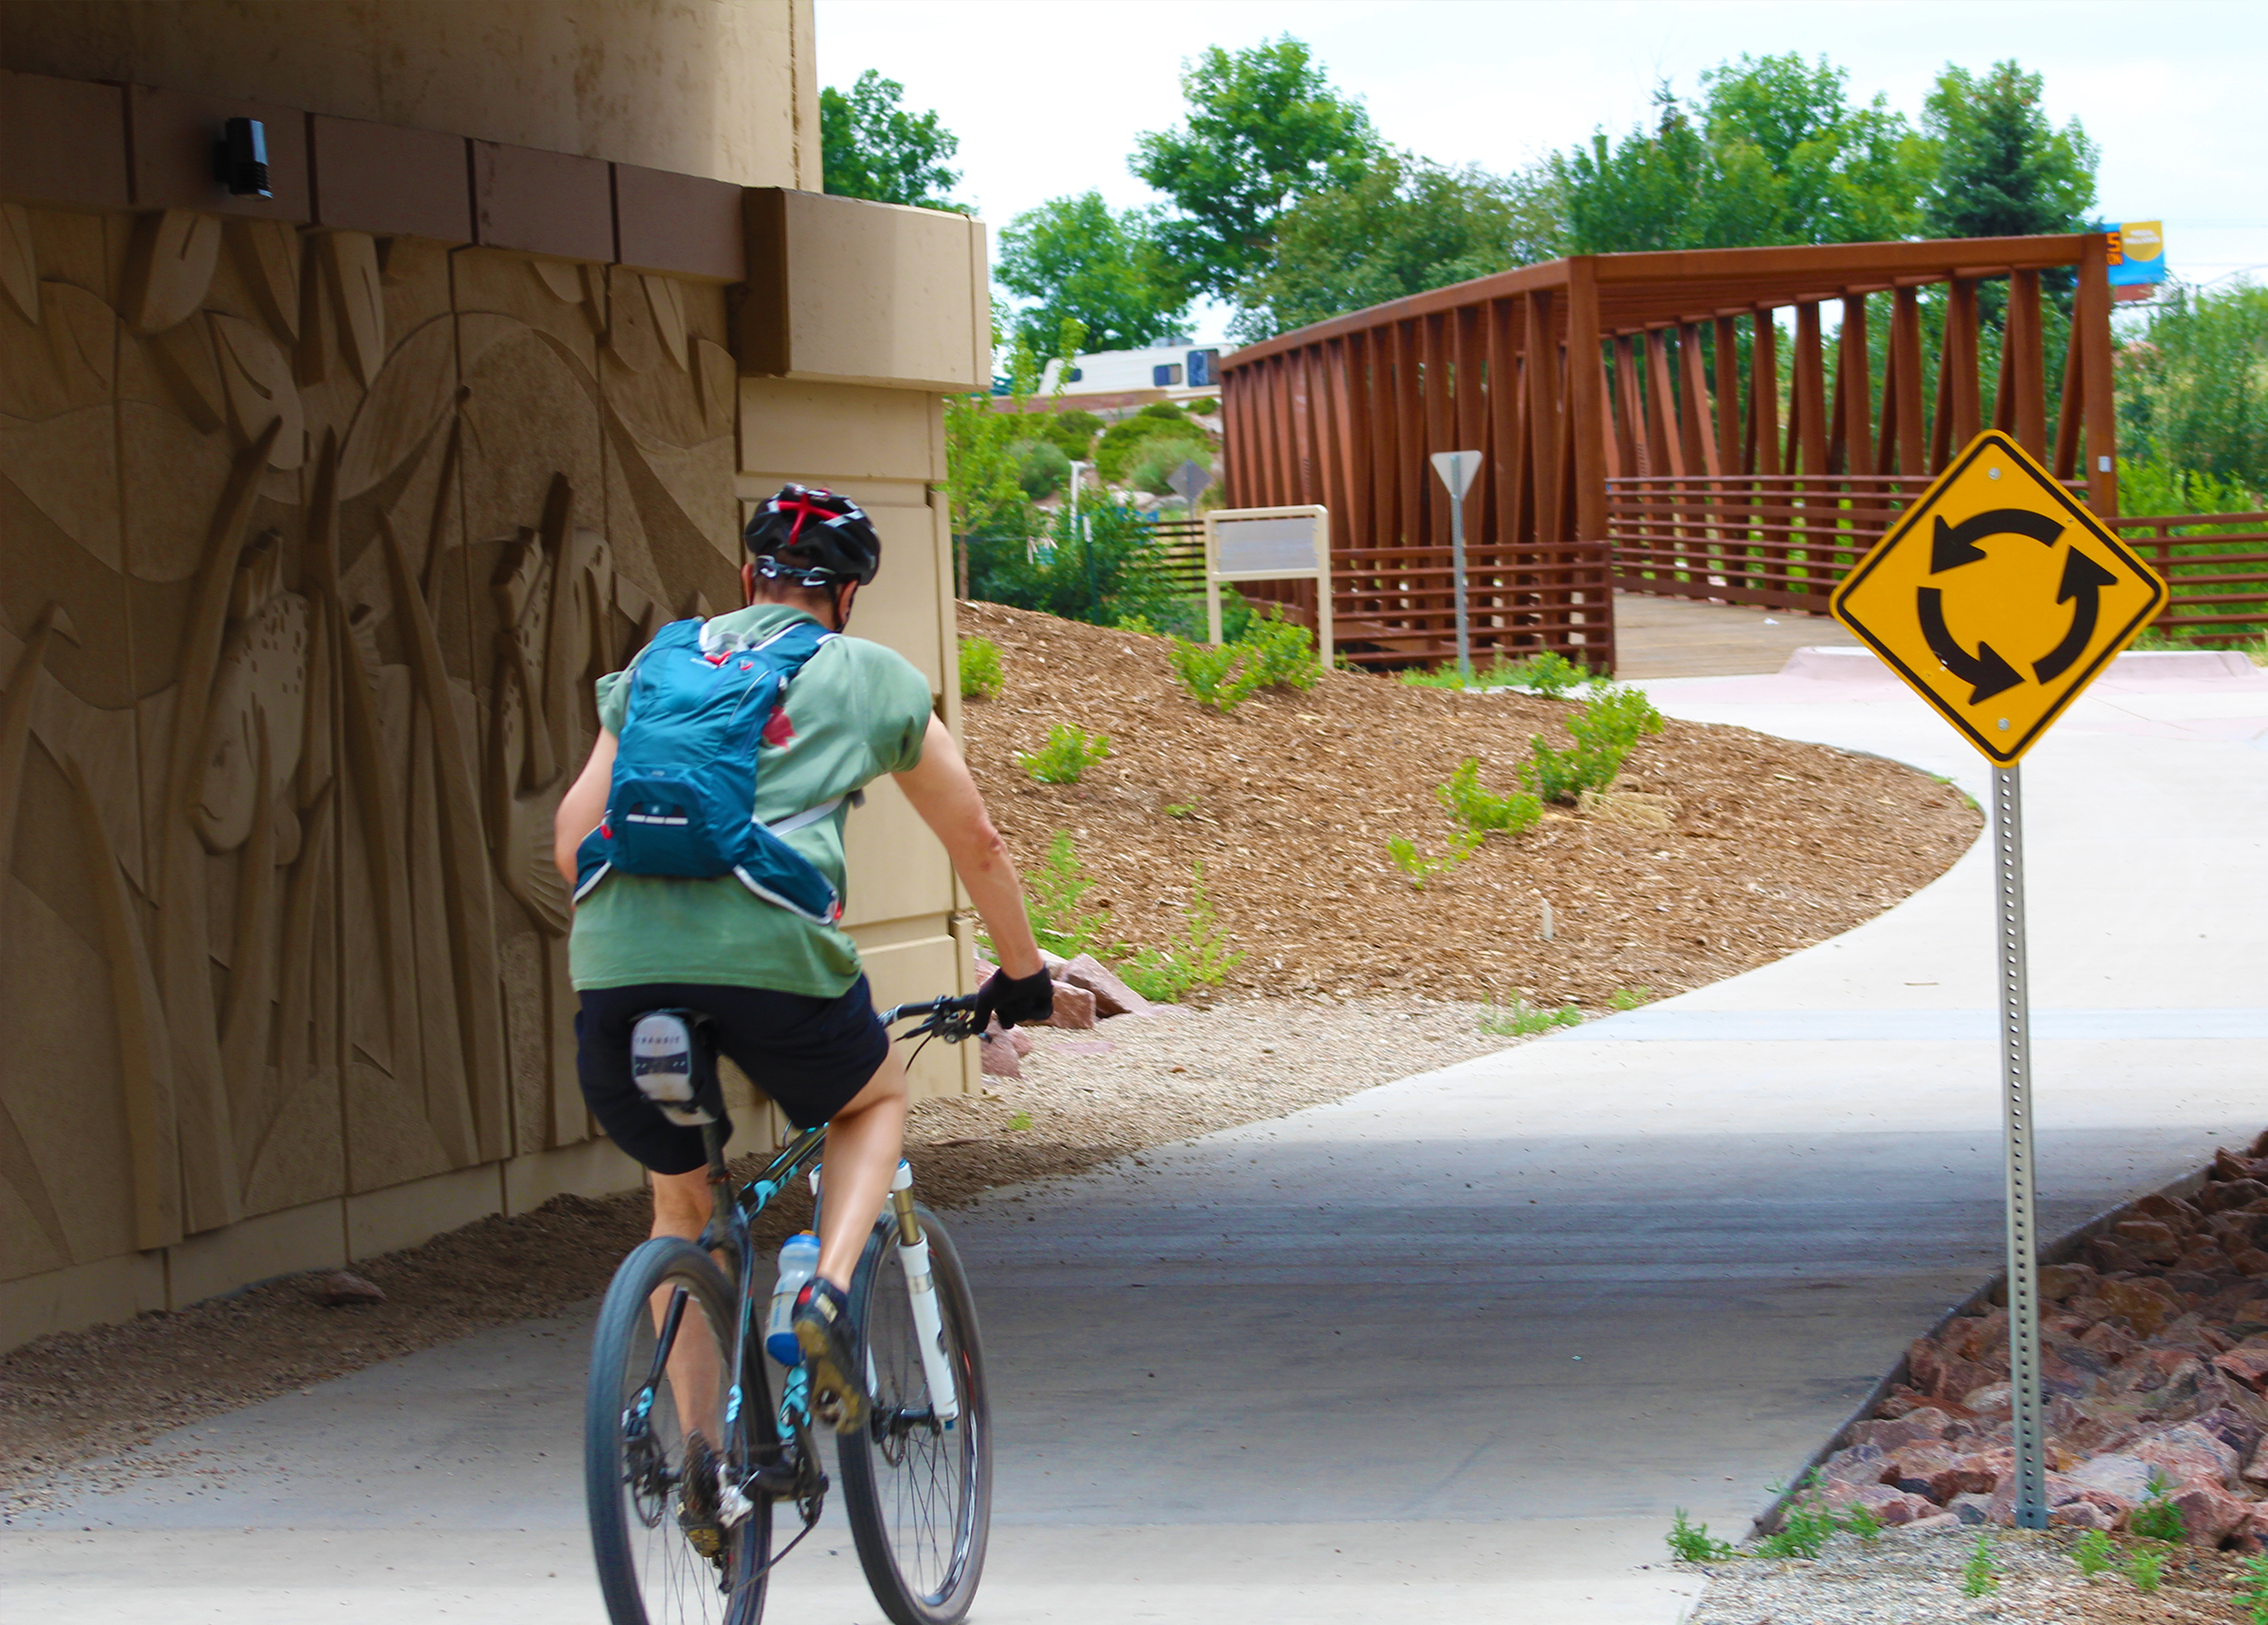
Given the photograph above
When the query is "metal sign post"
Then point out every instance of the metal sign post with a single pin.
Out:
(1457, 469)
(1999, 641)
(2016, 1082)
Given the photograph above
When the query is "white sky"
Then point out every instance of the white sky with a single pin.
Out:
(1048, 95)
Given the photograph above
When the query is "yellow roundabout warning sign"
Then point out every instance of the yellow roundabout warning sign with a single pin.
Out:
(1999, 597)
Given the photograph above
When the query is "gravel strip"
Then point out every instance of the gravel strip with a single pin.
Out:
(1907, 1579)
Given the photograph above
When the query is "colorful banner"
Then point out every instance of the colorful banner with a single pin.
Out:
(2137, 255)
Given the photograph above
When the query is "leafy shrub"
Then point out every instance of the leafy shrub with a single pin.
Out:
(1201, 958)
(981, 673)
(2251, 1590)
(1042, 469)
(1073, 433)
(1054, 894)
(1098, 567)
(1549, 674)
(1420, 868)
(2157, 1518)
(1692, 1543)
(1205, 406)
(1217, 674)
(1604, 731)
(2147, 1569)
(2094, 1555)
(1803, 1532)
(1480, 810)
(1067, 754)
(1282, 652)
(1158, 456)
(1982, 1575)
(1124, 442)
(1519, 1019)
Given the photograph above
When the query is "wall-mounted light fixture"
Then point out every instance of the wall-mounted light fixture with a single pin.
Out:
(240, 159)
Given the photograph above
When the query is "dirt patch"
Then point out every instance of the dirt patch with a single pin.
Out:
(1084, 1098)
(1288, 802)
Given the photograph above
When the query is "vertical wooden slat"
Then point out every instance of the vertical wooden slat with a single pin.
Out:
(2028, 373)
(1905, 344)
(2093, 342)
(2066, 461)
(1630, 409)
(1386, 432)
(1852, 449)
(1662, 438)
(1587, 422)
(1694, 415)
(1763, 453)
(1504, 420)
(1543, 416)
(1964, 360)
(1807, 415)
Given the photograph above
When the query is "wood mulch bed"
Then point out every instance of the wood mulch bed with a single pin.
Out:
(1291, 799)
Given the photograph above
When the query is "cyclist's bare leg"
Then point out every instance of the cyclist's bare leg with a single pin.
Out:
(680, 1208)
(864, 1139)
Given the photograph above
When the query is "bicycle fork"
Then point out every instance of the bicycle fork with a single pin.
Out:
(929, 1325)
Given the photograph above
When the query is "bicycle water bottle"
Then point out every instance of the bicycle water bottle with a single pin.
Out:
(799, 1262)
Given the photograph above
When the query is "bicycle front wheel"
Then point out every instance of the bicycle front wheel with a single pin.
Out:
(917, 1485)
(668, 1551)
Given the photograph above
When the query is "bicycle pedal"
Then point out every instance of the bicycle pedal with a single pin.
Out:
(707, 1538)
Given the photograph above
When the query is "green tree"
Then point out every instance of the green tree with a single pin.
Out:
(2193, 394)
(1772, 151)
(871, 147)
(1265, 128)
(1405, 225)
(1079, 262)
(1998, 167)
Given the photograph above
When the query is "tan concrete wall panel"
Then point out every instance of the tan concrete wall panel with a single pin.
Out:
(844, 433)
(722, 88)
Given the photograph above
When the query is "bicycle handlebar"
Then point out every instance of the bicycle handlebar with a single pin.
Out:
(948, 1017)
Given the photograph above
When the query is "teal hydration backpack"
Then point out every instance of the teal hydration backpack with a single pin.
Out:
(684, 787)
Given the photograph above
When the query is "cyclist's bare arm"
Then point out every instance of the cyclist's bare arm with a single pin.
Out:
(941, 791)
(584, 805)
(945, 795)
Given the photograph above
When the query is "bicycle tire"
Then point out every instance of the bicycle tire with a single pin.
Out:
(923, 1567)
(649, 1572)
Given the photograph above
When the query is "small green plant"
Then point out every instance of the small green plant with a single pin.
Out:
(1861, 1521)
(1629, 998)
(1982, 1575)
(1140, 626)
(980, 675)
(1217, 674)
(2251, 1588)
(1180, 809)
(1967, 801)
(1519, 1019)
(1549, 674)
(1480, 810)
(1604, 731)
(1803, 1532)
(1282, 652)
(2094, 1555)
(1052, 896)
(1021, 1119)
(1692, 1543)
(1067, 754)
(1421, 868)
(1200, 959)
(2157, 1518)
(2147, 1569)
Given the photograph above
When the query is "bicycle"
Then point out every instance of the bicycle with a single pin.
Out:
(681, 1516)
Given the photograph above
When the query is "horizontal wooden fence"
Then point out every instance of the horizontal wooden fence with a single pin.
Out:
(2217, 567)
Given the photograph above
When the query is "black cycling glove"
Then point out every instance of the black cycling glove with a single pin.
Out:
(1027, 999)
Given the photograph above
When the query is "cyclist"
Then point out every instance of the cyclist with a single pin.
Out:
(784, 991)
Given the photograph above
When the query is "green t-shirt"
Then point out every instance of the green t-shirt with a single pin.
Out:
(855, 711)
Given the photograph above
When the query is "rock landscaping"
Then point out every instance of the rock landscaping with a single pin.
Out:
(2154, 1356)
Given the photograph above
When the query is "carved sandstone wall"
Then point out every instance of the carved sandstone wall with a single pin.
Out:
(318, 516)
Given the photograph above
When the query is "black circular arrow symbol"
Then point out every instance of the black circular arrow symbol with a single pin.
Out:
(1986, 671)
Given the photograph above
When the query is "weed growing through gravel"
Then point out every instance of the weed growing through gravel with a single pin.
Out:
(2147, 1569)
(1689, 1543)
(1068, 753)
(1861, 1521)
(1519, 1019)
(2251, 1590)
(1020, 1120)
(1982, 1575)
(1482, 811)
(1630, 998)
(1180, 809)
(2158, 1519)
(1421, 868)
(1803, 1532)
(1604, 731)
(981, 673)
(2096, 1555)
(1200, 959)
(1052, 895)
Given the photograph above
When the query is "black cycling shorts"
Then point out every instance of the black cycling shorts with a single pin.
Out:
(809, 1055)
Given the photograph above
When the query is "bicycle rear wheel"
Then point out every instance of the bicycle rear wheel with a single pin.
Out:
(650, 1508)
(917, 1489)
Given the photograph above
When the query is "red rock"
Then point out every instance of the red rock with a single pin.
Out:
(2082, 1512)
(2123, 1478)
(1912, 1426)
(2251, 1535)
(1858, 1465)
(2208, 1513)
(2188, 1453)
(338, 1289)
(1112, 996)
(1992, 1400)
(1892, 1507)
(2171, 1209)
(1941, 1472)
(2145, 1305)
(1074, 1007)
(2059, 1281)
(2235, 1195)
(2256, 1467)
(996, 1054)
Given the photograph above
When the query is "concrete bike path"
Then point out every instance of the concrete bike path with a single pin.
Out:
(1457, 1345)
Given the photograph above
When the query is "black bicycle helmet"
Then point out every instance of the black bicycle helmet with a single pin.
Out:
(812, 535)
